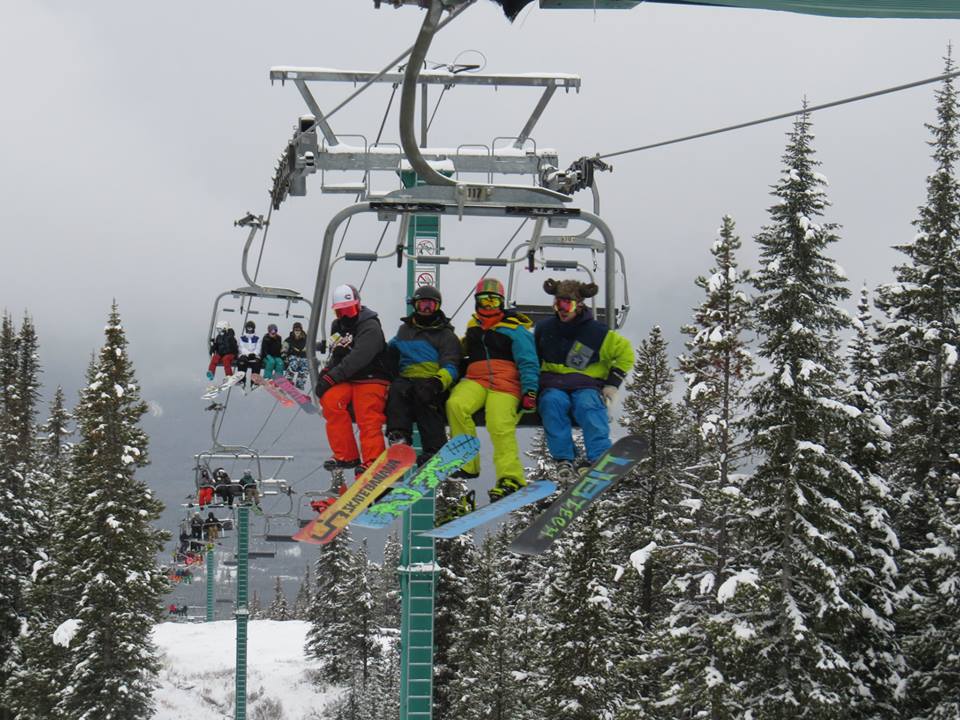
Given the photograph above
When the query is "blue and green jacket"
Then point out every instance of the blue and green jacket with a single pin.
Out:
(582, 353)
(501, 356)
(425, 348)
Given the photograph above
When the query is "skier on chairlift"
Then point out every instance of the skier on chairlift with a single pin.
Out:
(424, 359)
(271, 349)
(356, 376)
(295, 355)
(249, 358)
(223, 350)
(583, 363)
(502, 376)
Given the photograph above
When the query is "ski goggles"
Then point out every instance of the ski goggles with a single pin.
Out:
(565, 305)
(489, 301)
(426, 306)
(349, 311)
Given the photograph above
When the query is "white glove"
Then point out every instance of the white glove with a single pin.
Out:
(609, 393)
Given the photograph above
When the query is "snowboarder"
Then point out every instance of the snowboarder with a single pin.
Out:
(248, 359)
(249, 488)
(211, 527)
(295, 355)
(583, 363)
(205, 490)
(502, 374)
(223, 350)
(424, 359)
(356, 375)
(223, 486)
(196, 526)
(271, 349)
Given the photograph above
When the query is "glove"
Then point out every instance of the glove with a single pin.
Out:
(428, 391)
(324, 383)
(528, 402)
(609, 394)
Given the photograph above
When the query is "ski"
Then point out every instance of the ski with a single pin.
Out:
(273, 390)
(530, 493)
(301, 398)
(450, 458)
(214, 390)
(382, 473)
(620, 459)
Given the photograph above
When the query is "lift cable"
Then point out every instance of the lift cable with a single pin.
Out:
(781, 116)
(499, 254)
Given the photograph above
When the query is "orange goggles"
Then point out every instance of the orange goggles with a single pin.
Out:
(565, 305)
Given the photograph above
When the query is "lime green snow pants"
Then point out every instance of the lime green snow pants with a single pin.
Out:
(465, 399)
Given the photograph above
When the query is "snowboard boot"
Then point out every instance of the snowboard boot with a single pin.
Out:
(209, 375)
(396, 437)
(462, 474)
(333, 463)
(464, 506)
(504, 487)
(566, 472)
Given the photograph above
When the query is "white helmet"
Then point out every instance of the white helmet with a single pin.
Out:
(345, 296)
(223, 325)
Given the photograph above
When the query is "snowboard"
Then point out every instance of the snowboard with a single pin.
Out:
(302, 399)
(616, 462)
(529, 493)
(451, 457)
(382, 473)
(273, 390)
(214, 390)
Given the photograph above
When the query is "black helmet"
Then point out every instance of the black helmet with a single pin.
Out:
(249, 325)
(427, 292)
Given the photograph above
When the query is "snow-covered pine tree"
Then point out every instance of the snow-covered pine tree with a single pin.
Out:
(40, 665)
(361, 645)
(696, 638)
(644, 509)
(808, 532)
(255, 607)
(388, 583)
(301, 605)
(455, 558)
(279, 608)
(921, 387)
(329, 628)
(108, 547)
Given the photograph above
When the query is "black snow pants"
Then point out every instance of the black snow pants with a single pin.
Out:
(404, 408)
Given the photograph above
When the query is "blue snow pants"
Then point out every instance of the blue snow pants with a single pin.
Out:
(587, 407)
(272, 365)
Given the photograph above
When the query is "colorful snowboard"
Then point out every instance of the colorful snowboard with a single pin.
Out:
(384, 472)
(530, 493)
(620, 459)
(450, 458)
(215, 390)
(273, 390)
(301, 398)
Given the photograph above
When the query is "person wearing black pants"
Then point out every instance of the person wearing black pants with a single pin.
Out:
(424, 357)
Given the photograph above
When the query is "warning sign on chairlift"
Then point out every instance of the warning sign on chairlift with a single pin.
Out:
(424, 278)
(425, 247)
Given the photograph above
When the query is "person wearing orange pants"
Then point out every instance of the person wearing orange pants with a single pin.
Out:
(356, 376)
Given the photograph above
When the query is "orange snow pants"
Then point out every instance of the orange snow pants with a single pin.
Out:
(369, 400)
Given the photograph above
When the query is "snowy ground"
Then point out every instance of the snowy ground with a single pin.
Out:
(197, 678)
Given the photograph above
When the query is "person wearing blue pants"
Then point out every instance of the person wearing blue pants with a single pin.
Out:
(582, 364)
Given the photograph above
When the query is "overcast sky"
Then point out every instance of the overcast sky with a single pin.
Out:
(133, 135)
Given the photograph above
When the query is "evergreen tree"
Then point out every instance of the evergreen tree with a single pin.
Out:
(301, 605)
(696, 639)
(807, 536)
(362, 630)
(920, 342)
(279, 609)
(328, 636)
(40, 664)
(645, 511)
(388, 583)
(255, 607)
(108, 548)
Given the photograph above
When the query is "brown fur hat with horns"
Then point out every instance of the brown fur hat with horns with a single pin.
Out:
(570, 289)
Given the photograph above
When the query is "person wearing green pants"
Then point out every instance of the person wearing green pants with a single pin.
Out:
(502, 376)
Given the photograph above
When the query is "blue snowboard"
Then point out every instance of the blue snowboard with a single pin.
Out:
(481, 516)
(450, 458)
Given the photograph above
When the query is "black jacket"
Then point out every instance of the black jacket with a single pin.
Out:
(271, 346)
(294, 347)
(225, 343)
(360, 353)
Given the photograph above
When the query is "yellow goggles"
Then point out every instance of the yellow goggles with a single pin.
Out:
(489, 301)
